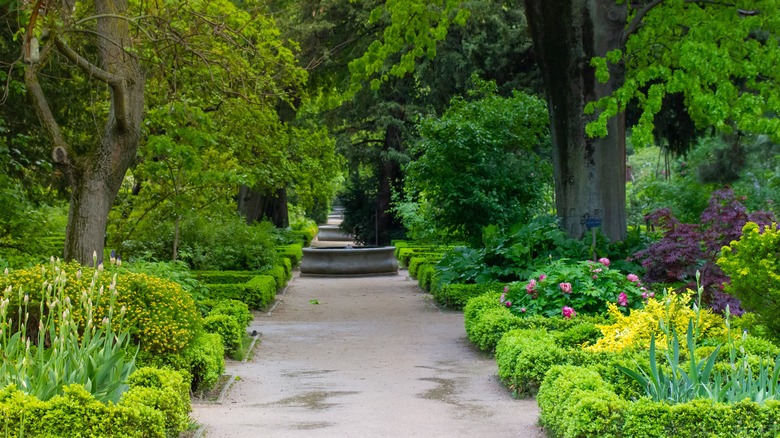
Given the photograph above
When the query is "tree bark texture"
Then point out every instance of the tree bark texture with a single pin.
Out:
(96, 172)
(590, 173)
(256, 206)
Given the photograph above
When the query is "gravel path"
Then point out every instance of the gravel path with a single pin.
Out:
(374, 358)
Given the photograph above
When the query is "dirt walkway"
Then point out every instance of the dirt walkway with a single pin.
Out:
(373, 359)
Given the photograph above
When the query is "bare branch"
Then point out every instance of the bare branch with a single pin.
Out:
(41, 106)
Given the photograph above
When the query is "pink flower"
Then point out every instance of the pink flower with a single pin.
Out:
(542, 277)
(652, 294)
(506, 289)
(530, 286)
(568, 312)
(522, 309)
(565, 287)
(595, 277)
(623, 299)
(632, 278)
(503, 297)
(508, 304)
(644, 295)
(604, 261)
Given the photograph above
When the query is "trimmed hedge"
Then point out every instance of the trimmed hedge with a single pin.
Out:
(455, 296)
(77, 413)
(577, 402)
(167, 391)
(257, 293)
(524, 356)
(224, 277)
(236, 309)
(293, 251)
(228, 328)
(279, 275)
(206, 359)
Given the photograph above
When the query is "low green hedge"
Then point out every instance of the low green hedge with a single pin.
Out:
(455, 296)
(236, 309)
(486, 330)
(577, 402)
(77, 413)
(524, 356)
(257, 293)
(167, 391)
(293, 251)
(279, 275)
(206, 359)
(224, 277)
(228, 328)
(425, 275)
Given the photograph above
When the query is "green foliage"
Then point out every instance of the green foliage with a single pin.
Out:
(576, 402)
(482, 163)
(424, 273)
(224, 277)
(510, 255)
(753, 264)
(257, 293)
(166, 391)
(524, 356)
(489, 326)
(722, 65)
(584, 286)
(228, 328)
(206, 358)
(294, 252)
(455, 296)
(236, 309)
(77, 413)
(66, 341)
(279, 275)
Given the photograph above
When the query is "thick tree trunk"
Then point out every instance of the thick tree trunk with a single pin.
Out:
(256, 206)
(590, 173)
(95, 174)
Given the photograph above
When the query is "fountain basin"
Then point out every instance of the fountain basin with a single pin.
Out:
(332, 233)
(345, 261)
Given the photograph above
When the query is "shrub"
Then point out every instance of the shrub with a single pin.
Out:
(576, 402)
(455, 296)
(424, 274)
(160, 314)
(278, 274)
(635, 330)
(76, 413)
(225, 277)
(488, 328)
(688, 248)
(753, 264)
(293, 251)
(236, 309)
(228, 328)
(257, 293)
(414, 265)
(206, 358)
(585, 287)
(524, 356)
(164, 390)
(286, 264)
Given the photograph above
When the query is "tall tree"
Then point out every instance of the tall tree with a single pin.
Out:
(590, 173)
(99, 42)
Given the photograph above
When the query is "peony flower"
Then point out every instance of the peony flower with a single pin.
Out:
(623, 299)
(604, 261)
(568, 312)
(530, 286)
(508, 304)
(644, 295)
(542, 277)
(595, 277)
(565, 287)
(632, 278)
(503, 297)
(506, 289)
(522, 309)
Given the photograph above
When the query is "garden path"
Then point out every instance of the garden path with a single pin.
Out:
(365, 357)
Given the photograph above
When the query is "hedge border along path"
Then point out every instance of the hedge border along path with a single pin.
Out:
(368, 356)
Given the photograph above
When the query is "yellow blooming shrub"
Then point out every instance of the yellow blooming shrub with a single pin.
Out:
(633, 331)
(160, 315)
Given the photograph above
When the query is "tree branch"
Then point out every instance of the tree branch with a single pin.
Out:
(636, 22)
(41, 106)
(118, 84)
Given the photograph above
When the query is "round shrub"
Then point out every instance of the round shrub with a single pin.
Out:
(487, 329)
(228, 328)
(236, 309)
(206, 356)
(165, 391)
(525, 356)
(160, 315)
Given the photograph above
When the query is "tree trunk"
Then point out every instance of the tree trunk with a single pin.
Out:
(389, 179)
(590, 173)
(95, 173)
(256, 206)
